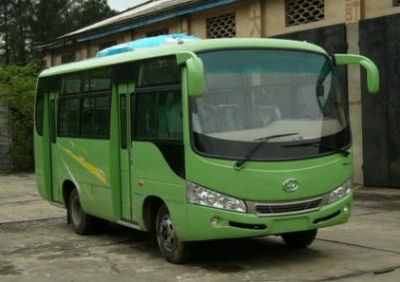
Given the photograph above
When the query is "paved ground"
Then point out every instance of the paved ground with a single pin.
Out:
(37, 245)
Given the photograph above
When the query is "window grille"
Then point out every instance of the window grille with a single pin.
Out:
(164, 31)
(223, 26)
(396, 3)
(304, 11)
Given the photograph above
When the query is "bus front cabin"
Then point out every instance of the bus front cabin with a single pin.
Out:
(205, 140)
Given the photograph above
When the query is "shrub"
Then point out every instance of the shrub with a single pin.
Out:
(17, 92)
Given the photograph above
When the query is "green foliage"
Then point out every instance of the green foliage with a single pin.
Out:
(17, 92)
(27, 24)
(86, 12)
(24, 26)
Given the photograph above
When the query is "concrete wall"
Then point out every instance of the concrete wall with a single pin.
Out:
(378, 8)
(354, 91)
(275, 17)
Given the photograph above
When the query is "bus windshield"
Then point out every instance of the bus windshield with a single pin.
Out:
(255, 93)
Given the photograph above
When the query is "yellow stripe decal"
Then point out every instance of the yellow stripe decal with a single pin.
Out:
(96, 172)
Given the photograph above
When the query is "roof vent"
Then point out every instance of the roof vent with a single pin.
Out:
(178, 38)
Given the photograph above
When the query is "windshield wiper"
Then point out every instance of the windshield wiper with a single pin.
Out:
(239, 164)
(319, 145)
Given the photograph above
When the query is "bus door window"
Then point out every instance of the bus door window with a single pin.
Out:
(53, 121)
(122, 101)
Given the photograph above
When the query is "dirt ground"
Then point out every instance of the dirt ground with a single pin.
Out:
(36, 244)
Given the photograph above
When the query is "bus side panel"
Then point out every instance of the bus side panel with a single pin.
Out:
(86, 163)
(42, 157)
(152, 176)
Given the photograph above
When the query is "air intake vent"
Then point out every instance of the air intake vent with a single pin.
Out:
(288, 208)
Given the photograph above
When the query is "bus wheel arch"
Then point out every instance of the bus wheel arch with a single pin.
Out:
(156, 217)
(151, 206)
(67, 188)
(82, 223)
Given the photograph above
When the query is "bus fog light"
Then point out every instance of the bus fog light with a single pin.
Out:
(202, 196)
(339, 192)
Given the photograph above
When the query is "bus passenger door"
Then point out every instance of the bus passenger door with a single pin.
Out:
(125, 91)
(53, 145)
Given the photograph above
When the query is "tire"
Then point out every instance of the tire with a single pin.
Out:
(172, 249)
(81, 222)
(299, 240)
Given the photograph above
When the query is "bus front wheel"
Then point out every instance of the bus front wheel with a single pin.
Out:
(81, 222)
(299, 240)
(173, 249)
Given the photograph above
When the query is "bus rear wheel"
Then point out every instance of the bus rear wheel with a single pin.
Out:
(81, 222)
(299, 240)
(171, 247)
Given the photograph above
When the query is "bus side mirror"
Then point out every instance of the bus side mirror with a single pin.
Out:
(369, 66)
(196, 82)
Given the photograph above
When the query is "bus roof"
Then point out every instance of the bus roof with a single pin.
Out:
(195, 46)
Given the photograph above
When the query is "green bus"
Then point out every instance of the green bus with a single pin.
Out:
(202, 140)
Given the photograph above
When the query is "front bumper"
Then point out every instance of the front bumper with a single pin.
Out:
(204, 223)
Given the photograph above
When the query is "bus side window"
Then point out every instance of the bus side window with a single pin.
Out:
(39, 108)
(100, 80)
(159, 116)
(174, 115)
(146, 122)
(95, 119)
(45, 86)
(69, 113)
(72, 84)
(161, 71)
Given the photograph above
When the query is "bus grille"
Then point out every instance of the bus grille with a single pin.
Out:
(288, 208)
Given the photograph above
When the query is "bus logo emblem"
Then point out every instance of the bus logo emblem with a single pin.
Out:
(290, 185)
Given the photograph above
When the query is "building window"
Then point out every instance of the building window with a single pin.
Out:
(396, 3)
(68, 57)
(223, 26)
(304, 11)
(164, 31)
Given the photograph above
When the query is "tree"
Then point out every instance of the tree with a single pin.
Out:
(27, 24)
(17, 91)
(24, 26)
(50, 20)
(86, 12)
(5, 19)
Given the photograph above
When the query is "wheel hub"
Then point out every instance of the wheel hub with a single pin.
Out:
(76, 212)
(166, 234)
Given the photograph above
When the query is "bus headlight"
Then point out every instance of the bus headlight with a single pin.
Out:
(201, 196)
(339, 192)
